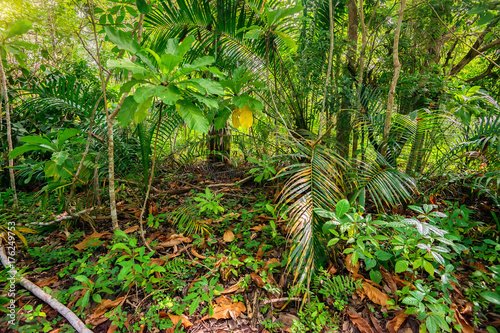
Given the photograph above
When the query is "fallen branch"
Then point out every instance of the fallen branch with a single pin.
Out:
(64, 218)
(284, 299)
(73, 320)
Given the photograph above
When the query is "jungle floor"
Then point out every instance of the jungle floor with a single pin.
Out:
(244, 254)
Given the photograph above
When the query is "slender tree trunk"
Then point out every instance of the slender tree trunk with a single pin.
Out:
(9, 135)
(360, 76)
(344, 117)
(330, 63)
(110, 118)
(397, 70)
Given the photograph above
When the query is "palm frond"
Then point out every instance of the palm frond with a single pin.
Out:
(314, 181)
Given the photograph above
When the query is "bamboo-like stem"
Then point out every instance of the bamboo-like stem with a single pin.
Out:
(9, 135)
(329, 69)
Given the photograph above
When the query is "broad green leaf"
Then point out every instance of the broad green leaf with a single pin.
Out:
(221, 119)
(490, 296)
(67, 134)
(169, 62)
(375, 276)
(144, 93)
(122, 40)
(169, 95)
(428, 267)
(127, 111)
(209, 102)
(97, 298)
(203, 61)
(185, 45)
(431, 324)
(194, 306)
(83, 279)
(127, 86)
(142, 6)
(211, 87)
(128, 65)
(142, 111)
(38, 140)
(383, 256)
(253, 34)
(342, 207)
(401, 266)
(410, 301)
(17, 28)
(85, 299)
(193, 116)
(60, 157)
(52, 169)
(25, 148)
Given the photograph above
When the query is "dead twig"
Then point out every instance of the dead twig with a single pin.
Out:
(72, 319)
(64, 218)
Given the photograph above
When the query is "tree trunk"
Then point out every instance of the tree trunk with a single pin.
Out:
(9, 135)
(344, 116)
(475, 50)
(329, 70)
(219, 144)
(397, 70)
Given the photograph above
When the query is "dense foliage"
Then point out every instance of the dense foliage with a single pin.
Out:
(298, 165)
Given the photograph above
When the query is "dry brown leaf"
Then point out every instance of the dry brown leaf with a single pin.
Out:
(196, 254)
(108, 304)
(183, 319)
(257, 279)
(354, 269)
(228, 236)
(467, 309)
(174, 240)
(131, 229)
(402, 283)
(466, 327)
(389, 280)
(57, 330)
(47, 282)
(360, 323)
(233, 288)
(375, 323)
(395, 323)
(225, 309)
(479, 266)
(153, 210)
(90, 240)
(260, 253)
(373, 294)
(257, 227)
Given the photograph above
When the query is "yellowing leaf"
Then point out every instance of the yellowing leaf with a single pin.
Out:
(236, 118)
(228, 236)
(246, 117)
(243, 117)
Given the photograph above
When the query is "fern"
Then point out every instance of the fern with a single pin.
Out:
(188, 221)
(339, 287)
